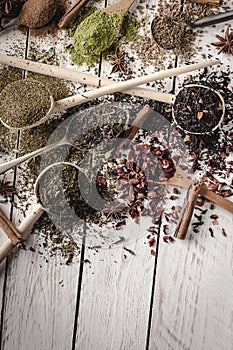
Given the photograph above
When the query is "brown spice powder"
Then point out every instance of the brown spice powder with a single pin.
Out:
(51, 28)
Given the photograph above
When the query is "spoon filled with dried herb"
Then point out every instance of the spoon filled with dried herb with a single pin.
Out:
(57, 190)
(18, 113)
(70, 132)
(63, 172)
(25, 104)
(34, 14)
(168, 32)
(198, 109)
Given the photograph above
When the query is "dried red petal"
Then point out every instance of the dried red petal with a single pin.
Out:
(151, 241)
(120, 224)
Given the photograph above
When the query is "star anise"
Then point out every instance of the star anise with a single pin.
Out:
(115, 210)
(118, 61)
(6, 188)
(225, 44)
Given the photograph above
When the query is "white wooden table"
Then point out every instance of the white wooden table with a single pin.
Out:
(179, 299)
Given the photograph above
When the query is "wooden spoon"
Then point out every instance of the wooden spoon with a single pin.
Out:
(72, 101)
(121, 6)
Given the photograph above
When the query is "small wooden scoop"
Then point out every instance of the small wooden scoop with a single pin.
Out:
(121, 6)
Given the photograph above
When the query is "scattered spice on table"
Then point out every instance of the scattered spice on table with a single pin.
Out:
(225, 43)
(52, 243)
(24, 102)
(224, 232)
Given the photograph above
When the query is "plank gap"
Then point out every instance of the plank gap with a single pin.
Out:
(153, 285)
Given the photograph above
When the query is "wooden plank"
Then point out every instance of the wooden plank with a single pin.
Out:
(193, 304)
(40, 299)
(192, 300)
(8, 46)
(116, 288)
(115, 297)
(40, 303)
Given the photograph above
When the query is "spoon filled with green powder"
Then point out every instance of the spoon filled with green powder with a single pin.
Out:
(97, 32)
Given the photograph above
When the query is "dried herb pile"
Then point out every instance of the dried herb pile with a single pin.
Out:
(37, 13)
(24, 102)
(37, 137)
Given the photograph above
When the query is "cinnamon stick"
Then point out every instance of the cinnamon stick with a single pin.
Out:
(136, 125)
(71, 13)
(187, 210)
(10, 230)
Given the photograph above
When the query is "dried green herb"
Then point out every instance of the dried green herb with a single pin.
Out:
(8, 75)
(24, 102)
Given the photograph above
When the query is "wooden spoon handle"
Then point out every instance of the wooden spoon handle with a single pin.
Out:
(128, 84)
(23, 228)
(120, 6)
(71, 13)
(79, 77)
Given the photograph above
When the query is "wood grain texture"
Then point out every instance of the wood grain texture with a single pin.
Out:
(40, 296)
(193, 304)
(115, 297)
(40, 303)
(193, 307)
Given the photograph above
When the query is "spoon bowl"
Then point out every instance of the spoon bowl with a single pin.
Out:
(193, 112)
(34, 14)
(176, 29)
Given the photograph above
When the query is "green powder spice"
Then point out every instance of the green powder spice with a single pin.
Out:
(93, 35)
(23, 103)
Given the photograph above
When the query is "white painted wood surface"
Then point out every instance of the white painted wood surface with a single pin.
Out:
(192, 302)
